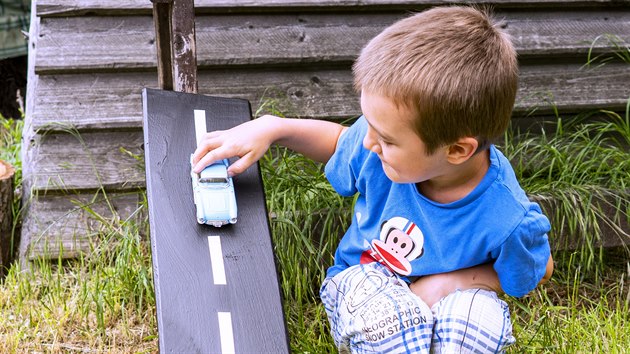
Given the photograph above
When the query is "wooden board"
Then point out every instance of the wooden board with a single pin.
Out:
(65, 226)
(123, 7)
(61, 226)
(106, 101)
(87, 160)
(192, 294)
(80, 44)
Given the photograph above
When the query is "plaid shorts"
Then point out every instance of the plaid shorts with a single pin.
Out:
(371, 310)
(471, 321)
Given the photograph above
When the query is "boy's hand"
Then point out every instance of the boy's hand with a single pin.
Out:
(249, 141)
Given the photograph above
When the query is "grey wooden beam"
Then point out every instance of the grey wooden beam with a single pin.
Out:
(50, 8)
(112, 101)
(71, 224)
(192, 306)
(162, 23)
(126, 43)
(184, 47)
(176, 45)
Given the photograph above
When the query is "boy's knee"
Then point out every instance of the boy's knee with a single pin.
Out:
(403, 324)
(384, 316)
(471, 321)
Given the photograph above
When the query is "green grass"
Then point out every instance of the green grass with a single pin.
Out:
(104, 301)
(10, 143)
(305, 232)
(575, 312)
(101, 302)
(10, 135)
(583, 167)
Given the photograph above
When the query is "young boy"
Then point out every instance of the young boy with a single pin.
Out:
(440, 225)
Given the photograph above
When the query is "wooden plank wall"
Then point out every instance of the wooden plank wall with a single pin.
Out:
(90, 59)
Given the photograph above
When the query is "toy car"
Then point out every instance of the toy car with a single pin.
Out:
(214, 197)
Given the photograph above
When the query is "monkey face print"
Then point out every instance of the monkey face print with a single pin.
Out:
(400, 242)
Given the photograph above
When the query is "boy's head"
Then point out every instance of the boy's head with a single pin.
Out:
(453, 66)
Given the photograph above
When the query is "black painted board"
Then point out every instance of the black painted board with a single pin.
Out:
(187, 299)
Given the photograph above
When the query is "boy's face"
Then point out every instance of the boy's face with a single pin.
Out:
(392, 137)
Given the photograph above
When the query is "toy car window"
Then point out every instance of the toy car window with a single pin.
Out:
(213, 180)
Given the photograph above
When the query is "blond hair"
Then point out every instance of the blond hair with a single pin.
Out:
(453, 65)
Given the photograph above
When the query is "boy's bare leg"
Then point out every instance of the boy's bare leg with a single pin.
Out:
(468, 315)
(432, 288)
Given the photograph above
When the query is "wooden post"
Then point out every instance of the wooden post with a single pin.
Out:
(6, 214)
(176, 44)
(162, 20)
(184, 46)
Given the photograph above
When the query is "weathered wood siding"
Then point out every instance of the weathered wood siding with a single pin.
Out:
(90, 59)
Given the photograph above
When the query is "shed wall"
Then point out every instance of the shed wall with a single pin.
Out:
(89, 61)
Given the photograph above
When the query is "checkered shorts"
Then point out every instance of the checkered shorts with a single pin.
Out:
(371, 310)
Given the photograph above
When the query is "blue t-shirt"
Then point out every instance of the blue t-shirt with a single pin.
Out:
(396, 225)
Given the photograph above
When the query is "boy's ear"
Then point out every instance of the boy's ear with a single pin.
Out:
(460, 151)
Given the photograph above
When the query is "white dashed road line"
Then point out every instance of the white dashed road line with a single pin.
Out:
(216, 260)
(200, 125)
(225, 332)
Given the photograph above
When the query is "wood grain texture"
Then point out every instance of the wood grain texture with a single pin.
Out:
(105, 101)
(7, 173)
(73, 161)
(79, 44)
(293, 54)
(82, 7)
(89, 101)
(164, 55)
(59, 225)
(28, 133)
(64, 226)
(184, 46)
(187, 298)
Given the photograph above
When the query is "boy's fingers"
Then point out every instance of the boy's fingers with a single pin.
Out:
(210, 157)
(206, 146)
(218, 145)
(224, 151)
(242, 164)
(199, 165)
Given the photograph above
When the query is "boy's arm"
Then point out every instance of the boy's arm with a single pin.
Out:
(434, 287)
(314, 139)
(548, 271)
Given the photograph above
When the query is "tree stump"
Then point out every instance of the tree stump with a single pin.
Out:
(6, 214)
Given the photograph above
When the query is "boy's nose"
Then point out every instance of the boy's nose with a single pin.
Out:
(370, 143)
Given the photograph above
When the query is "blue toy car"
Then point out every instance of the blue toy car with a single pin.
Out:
(214, 197)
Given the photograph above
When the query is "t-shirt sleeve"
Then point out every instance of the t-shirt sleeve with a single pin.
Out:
(343, 168)
(521, 261)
